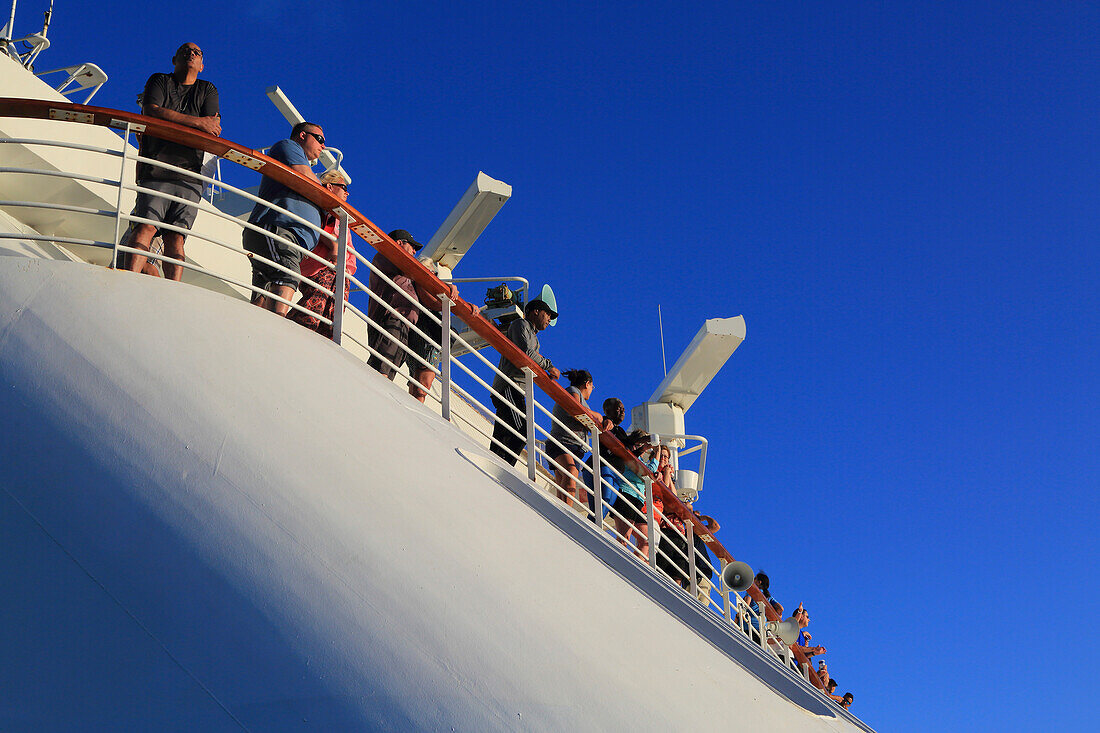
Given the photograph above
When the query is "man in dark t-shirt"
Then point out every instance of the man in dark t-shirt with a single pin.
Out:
(183, 98)
(511, 410)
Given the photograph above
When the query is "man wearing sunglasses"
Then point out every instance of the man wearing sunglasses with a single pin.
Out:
(298, 152)
(183, 98)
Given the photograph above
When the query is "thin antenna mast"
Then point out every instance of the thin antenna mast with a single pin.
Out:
(9, 29)
(661, 327)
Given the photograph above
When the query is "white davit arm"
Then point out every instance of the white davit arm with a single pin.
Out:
(293, 116)
(701, 360)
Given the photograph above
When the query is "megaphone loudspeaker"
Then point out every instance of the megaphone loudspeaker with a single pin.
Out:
(785, 630)
(737, 576)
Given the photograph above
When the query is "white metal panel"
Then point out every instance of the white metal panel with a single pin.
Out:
(473, 212)
(701, 360)
(662, 418)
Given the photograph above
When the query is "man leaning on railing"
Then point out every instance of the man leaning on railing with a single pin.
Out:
(183, 98)
(304, 146)
(512, 411)
(389, 336)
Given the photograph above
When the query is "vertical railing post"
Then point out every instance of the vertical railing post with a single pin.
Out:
(445, 355)
(689, 532)
(529, 391)
(118, 200)
(597, 482)
(725, 593)
(340, 285)
(651, 523)
(762, 623)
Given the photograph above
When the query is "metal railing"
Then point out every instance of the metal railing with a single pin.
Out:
(670, 553)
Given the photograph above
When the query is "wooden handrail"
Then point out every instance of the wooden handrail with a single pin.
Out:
(369, 232)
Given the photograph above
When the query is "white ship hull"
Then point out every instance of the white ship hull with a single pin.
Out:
(213, 518)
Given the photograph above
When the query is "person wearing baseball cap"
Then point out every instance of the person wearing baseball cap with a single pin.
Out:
(523, 332)
(390, 337)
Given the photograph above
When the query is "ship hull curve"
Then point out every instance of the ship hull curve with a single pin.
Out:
(215, 519)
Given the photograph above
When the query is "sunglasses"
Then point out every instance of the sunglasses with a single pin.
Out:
(338, 185)
(315, 136)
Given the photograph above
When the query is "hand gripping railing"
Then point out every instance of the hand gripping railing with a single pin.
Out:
(426, 281)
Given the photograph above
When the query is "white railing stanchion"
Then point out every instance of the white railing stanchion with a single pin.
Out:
(597, 482)
(529, 391)
(650, 526)
(725, 593)
(118, 200)
(445, 355)
(340, 285)
(689, 535)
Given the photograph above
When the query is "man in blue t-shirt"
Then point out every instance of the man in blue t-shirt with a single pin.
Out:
(298, 152)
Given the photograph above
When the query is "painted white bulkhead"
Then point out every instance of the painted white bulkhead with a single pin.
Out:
(212, 518)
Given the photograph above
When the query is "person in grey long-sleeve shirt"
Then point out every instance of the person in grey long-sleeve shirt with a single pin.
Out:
(524, 334)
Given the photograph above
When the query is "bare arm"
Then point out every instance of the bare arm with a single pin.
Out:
(211, 125)
(306, 171)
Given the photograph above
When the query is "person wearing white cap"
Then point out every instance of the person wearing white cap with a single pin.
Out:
(317, 275)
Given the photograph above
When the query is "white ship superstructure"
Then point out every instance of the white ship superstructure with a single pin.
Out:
(215, 518)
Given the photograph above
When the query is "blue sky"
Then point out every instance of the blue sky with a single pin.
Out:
(900, 199)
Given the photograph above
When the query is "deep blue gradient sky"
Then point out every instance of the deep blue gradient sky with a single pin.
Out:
(901, 200)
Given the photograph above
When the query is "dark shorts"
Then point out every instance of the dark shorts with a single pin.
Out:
(673, 557)
(264, 276)
(631, 508)
(427, 350)
(576, 450)
(388, 343)
(164, 211)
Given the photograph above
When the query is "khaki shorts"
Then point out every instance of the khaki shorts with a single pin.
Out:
(704, 587)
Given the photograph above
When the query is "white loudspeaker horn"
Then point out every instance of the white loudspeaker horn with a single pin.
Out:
(737, 576)
(785, 630)
(547, 296)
